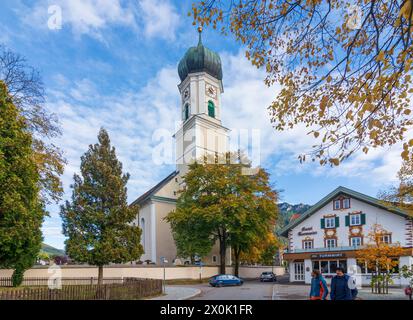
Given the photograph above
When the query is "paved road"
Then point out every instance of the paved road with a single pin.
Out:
(250, 290)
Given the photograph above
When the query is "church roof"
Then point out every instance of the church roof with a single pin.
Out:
(200, 59)
(148, 194)
(339, 191)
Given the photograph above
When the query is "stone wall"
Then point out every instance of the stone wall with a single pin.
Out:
(153, 272)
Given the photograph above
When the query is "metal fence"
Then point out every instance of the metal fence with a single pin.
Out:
(128, 289)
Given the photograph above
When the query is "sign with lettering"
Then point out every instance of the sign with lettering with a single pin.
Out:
(327, 255)
(306, 231)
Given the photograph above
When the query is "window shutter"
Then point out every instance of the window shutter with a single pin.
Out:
(363, 218)
(322, 223)
(347, 221)
(337, 222)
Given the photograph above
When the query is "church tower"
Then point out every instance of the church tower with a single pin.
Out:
(201, 132)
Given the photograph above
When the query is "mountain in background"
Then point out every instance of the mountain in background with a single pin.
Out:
(51, 251)
(286, 211)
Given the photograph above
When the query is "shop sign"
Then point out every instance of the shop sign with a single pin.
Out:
(306, 231)
(327, 255)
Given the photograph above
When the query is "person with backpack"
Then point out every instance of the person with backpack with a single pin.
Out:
(343, 286)
(319, 289)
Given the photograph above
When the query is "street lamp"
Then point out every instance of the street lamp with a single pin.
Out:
(164, 261)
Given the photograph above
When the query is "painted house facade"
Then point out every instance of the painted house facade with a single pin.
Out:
(329, 234)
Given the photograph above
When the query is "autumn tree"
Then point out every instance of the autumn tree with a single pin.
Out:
(27, 92)
(262, 251)
(401, 196)
(221, 203)
(380, 257)
(21, 209)
(97, 221)
(344, 67)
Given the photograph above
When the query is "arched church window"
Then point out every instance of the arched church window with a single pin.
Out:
(143, 232)
(187, 112)
(211, 109)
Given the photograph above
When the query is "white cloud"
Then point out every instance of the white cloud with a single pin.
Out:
(89, 17)
(130, 118)
(160, 19)
(152, 18)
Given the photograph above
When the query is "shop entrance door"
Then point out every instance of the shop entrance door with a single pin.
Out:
(299, 271)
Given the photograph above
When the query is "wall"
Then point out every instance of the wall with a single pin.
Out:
(143, 272)
(145, 213)
(165, 244)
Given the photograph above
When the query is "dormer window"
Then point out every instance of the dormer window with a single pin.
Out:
(341, 203)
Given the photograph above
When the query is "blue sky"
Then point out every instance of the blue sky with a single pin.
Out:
(114, 64)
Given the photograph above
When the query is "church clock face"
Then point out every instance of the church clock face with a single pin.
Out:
(186, 94)
(211, 91)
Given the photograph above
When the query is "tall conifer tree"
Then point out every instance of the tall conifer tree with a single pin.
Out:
(21, 210)
(98, 220)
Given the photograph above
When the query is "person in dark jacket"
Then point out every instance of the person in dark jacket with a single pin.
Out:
(319, 289)
(340, 289)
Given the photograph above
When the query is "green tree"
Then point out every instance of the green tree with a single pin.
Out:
(98, 221)
(21, 210)
(192, 237)
(221, 203)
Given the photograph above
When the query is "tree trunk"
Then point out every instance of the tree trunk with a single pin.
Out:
(236, 258)
(223, 253)
(100, 275)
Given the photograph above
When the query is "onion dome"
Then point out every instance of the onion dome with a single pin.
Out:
(200, 59)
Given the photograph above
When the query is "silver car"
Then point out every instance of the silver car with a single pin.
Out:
(268, 276)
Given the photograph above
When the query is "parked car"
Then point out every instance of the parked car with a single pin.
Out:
(268, 276)
(223, 280)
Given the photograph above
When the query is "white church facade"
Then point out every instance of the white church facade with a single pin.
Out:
(201, 133)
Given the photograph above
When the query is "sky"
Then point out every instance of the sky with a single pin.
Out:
(113, 64)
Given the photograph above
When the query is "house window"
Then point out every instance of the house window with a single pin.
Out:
(341, 203)
(355, 220)
(330, 222)
(355, 241)
(308, 244)
(385, 238)
(211, 109)
(331, 243)
(214, 259)
(329, 266)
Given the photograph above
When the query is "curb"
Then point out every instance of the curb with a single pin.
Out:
(197, 293)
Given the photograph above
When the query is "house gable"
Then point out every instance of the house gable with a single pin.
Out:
(335, 194)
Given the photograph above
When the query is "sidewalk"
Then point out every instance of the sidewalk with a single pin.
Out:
(178, 293)
(394, 294)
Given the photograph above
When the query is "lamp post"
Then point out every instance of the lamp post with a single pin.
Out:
(200, 271)
(164, 261)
